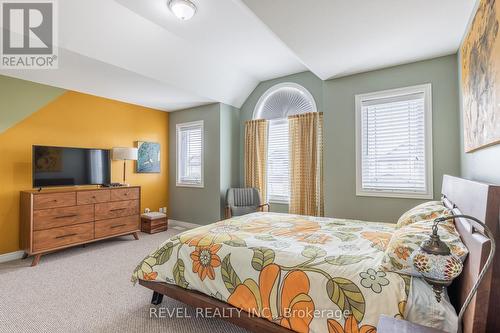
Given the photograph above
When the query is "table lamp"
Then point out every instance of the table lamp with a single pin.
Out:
(439, 266)
(124, 154)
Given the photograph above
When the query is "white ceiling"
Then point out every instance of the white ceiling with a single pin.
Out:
(87, 75)
(218, 56)
(337, 37)
(138, 52)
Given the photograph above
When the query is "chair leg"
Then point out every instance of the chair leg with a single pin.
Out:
(228, 213)
(157, 298)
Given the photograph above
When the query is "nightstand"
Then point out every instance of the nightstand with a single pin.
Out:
(154, 222)
(388, 324)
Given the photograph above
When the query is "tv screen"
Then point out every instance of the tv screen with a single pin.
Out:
(61, 166)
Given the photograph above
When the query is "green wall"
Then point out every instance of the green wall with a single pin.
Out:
(340, 167)
(191, 204)
(335, 98)
(19, 99)
(229, 150)
(221, 164)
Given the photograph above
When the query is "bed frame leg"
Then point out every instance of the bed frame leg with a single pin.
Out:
(157, 298)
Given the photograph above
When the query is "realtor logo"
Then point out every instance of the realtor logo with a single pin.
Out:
(28, 34)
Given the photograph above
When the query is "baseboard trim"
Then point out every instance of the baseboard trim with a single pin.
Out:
(11, 256)
(183, 224)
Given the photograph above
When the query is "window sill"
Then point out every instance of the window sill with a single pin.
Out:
(401, 195)
(280, 202)
(190, 185)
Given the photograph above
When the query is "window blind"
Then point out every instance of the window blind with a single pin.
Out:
(190, 154)
(278, 187)
(393, 156)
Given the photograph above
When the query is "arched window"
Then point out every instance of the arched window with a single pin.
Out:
(275, 105)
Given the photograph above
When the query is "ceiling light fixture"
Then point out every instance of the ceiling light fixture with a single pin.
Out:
(183, 9)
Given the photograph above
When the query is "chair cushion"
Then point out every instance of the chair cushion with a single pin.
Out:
(238, 211)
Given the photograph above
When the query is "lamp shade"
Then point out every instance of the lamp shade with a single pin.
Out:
(451, 266)
(435, 262)
(121, 154)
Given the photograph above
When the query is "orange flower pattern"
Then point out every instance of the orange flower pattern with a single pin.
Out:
(205, 259)
(150, 276)
(428, 211)
(402, 252)
(351, 325)
(215, 234)
(289, 227)
(263, 299)
(379, 240)
(313, 238)
(268, 263)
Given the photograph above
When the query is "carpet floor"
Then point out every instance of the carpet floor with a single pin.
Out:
(88, 289)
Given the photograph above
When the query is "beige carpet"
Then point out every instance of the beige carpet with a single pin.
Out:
(89, 290)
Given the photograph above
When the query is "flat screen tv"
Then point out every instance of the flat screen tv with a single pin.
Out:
(63, 166)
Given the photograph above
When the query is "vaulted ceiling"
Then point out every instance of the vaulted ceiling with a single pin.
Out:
(138, 52)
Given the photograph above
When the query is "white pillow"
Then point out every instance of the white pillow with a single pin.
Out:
(423, 309)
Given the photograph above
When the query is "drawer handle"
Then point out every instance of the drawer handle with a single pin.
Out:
(93, 197)
(65, 216)
(117, 226)
(125, 194)
(117, 209)
(55, 200)
(64, 236)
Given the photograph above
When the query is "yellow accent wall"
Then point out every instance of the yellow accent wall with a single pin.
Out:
(79, 120)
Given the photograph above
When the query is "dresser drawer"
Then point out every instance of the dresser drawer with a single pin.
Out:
(116, 226)
(125, 194)
(91, 197)
(59, 237)
(53, 200)
(59, 217)
(116, 209)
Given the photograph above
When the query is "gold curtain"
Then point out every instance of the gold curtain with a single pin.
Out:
(256, 155)
(306, 164)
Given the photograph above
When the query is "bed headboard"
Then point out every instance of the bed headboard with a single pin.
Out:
(483, 202)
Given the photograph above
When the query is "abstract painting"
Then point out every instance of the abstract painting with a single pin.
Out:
(481, 78)
(148, 157)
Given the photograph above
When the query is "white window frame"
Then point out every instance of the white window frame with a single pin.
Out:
(257, 112)
(277, 199)
(426, 89)
(178, 129)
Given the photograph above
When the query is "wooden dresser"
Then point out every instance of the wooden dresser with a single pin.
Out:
(56, 219)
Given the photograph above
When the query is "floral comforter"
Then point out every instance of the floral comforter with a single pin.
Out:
(308, 274)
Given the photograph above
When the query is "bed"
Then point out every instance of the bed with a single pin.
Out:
(312, 274)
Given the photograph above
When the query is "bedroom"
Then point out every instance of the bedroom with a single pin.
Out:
(326, 137)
